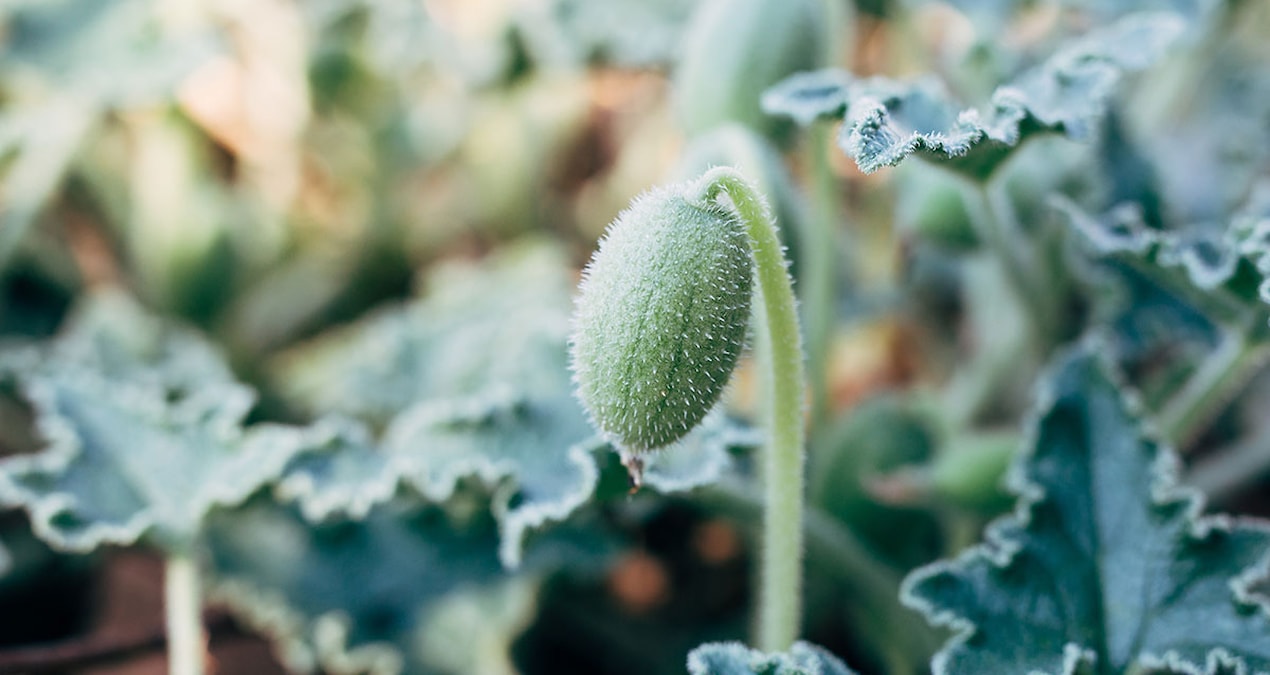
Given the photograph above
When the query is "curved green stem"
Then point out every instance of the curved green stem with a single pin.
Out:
(183, 606)
(780, 596)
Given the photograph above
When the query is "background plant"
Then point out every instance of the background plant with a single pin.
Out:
(285, 294)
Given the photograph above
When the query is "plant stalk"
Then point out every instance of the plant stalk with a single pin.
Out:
(780, 592)
(184, 608)
(820, 248)
(905, 642)
(1215, 382)
(994, 221)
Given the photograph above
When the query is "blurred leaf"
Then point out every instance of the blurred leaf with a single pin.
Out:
(809, 96)
(341, 473)
(1204, 256)
(354, 596)
(881, 435)
(45, 138)
(502, 323)
(114, 53)
(623, 33)
(1106, 563)
(144, 425)
(472, 380)
(542, 445)
(734, 658)
(886, 121)
(734, 49)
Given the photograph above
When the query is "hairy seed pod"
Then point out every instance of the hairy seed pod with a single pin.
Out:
(661, 318)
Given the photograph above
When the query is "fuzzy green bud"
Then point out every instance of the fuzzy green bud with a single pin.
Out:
(661, 317)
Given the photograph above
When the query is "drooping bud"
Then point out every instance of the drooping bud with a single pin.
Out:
(661, 318)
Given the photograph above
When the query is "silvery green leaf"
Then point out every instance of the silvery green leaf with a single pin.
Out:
(502, 322)
(341, 472)
(1106, 562)
(809, 96)
(144, 433)
(734, 658)
(700, 458)
(1205, 256)
(112, 335)
(470, 381)
(123, 463)
(538, 449)
(354, 596)
(886, 121)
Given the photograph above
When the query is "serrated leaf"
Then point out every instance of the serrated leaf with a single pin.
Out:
(123, 464)
(353, 596)
(340, 473)
(1106, 563)
(500, 323)
(1207, 256)
(471, 381)
(809, 96)
(542, 446)
(734, 658)
(887, 121)
(144, 429)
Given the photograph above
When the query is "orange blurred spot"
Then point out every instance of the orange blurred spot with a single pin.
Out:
(639, 582)
(716, 542)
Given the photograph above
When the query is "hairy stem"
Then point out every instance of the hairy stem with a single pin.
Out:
(184, 609)
(904, 641)
(780, 594)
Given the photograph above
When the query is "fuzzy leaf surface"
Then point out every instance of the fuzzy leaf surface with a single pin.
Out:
(734, 658)
(886, 121)
(1106, 566)
(144, 429)
(1205, 256)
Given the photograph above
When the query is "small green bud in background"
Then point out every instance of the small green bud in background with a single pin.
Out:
(734, 50)
(661, 318)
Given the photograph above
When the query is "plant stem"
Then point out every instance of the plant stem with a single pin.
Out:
(1229, 472)
(820, 248)
(992, 215)
(905, 641)
(1211, 387)
(184, 608)
(780, 594)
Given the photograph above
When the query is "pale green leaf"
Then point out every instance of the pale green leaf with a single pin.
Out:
(1106, 564)
(886, 121)
(355, 596)
(143, 424)
(470, 381)
(734, 658)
